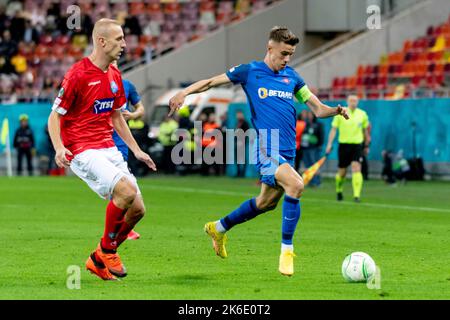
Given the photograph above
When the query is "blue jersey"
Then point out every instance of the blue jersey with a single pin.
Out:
(132, 97)
(271, 98)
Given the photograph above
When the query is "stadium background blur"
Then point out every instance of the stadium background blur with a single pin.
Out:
(401, 71)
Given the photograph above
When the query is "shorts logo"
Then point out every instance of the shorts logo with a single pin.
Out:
(262, 93)
(103, 105)
(114, 87)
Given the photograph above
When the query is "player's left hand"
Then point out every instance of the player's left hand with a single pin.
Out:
(142, 156)
(342, 111)
(127, 115)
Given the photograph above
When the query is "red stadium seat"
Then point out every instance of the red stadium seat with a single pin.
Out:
(360, 70)
(154, 8)
(136, 8)
(447, 68)
(383, 69)
(207, 6)
(407, 45)
(172, 7)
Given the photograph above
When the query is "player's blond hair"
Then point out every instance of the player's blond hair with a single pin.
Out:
(101, 28)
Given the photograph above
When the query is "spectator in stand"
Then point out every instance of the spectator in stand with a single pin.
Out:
(312, 141)
(299, 129)
(4, 19)
(24, 143)
(17, 26)
(31, 34)
(8, 47)
(5, 66)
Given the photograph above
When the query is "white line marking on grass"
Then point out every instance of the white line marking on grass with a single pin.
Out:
(233, 193)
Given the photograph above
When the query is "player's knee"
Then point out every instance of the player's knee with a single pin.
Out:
(127, 194)
(295, 188)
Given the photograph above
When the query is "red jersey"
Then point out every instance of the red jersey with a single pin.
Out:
(86, 100)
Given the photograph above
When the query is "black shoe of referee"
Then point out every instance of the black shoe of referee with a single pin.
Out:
(340, 197)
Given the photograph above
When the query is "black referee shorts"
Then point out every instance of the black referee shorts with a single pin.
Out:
(349, 152)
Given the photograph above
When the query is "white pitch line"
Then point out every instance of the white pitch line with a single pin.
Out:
(232, 193)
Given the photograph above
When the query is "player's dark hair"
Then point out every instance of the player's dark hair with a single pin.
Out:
(283, 34)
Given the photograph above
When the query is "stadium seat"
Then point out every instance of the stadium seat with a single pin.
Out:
(360, 70)
(136, 8)
(447, 68)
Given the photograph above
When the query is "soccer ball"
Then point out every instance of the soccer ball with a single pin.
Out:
(358, 267)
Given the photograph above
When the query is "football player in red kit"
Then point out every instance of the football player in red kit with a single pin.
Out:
(81, 123)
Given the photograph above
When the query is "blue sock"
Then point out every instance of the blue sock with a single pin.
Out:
(246, 211)
(291, 215)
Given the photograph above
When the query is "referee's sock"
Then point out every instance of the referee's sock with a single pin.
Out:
(339, 183)
(357, 182)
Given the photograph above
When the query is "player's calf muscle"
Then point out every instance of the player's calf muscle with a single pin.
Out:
(264, 204)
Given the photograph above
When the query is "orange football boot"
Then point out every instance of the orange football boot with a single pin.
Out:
(112, 262)
(98, 268)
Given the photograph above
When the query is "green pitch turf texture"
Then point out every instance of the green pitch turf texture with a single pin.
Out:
(49, 224)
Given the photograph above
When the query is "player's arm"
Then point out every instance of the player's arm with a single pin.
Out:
(54, 130)
(124, 132)
(136, 114)
(322, 110)
(135, 100)
(177, 101)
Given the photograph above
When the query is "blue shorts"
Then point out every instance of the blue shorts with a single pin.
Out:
(121, 145)
(124, 151)
(268, 164)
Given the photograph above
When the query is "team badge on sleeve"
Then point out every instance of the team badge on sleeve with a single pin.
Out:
(114, 87)
(234, 68)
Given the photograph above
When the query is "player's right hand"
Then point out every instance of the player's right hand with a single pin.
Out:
(328, 150)
(142, 156)
(63, 157)
(176, 102)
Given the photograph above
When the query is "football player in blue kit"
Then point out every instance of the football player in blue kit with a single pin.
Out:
(270, 86)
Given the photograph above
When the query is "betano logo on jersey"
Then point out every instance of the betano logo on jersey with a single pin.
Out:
(103, 105)
(264, 93)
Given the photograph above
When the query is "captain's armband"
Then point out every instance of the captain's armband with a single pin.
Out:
(304, 94)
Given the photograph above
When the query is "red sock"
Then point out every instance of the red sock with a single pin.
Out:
(123, 232)
(114, 218)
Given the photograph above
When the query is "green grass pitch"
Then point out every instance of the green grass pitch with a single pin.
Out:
(49, 224)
